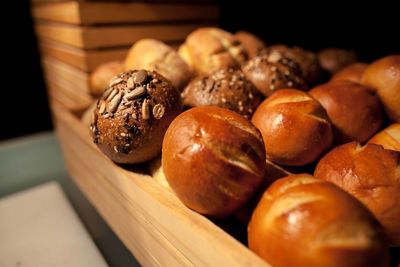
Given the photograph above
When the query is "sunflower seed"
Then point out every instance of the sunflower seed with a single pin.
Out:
(130, 84)
(115, 81)
(102, 107)
(146, 109)
(113, 104)
(158, 111)
(107, 93)
(112, 94)
(136, 93)
(140, 76)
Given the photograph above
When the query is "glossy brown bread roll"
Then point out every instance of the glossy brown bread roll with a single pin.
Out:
(251, 43)
(151, 54)
(354, 111)
(334, 59)
(101, 76)
(210, 49)
(294, 126)
(352, 73)
(383, 76)
(131, 117)
(304, 221)
(213, 159)
(226, 88)
(389, 137)
(371, 174)
(273, 71)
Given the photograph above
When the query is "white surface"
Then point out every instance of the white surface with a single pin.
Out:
(39, 228)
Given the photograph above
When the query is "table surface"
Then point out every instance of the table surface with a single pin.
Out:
(32, 160)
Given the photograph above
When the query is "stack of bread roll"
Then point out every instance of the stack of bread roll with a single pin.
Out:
(232, 116)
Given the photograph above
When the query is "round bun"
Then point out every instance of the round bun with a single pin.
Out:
(306, 59)
(101, 76)
(352, 73)
(305, 222)
(213, 159)
(226, 88)
(389, 138)
(151, 54)
(383, 76)
(371, 174)
(251, 43)
(271, 72)
(132, 116)
(294, 126)
(354, 111)
(210, 49)
(334, 59)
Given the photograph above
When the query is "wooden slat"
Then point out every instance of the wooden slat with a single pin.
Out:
(110, 12)
(155, 226)
(111, 36)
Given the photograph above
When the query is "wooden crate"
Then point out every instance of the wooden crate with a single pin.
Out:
(90, 13)
(154, 225)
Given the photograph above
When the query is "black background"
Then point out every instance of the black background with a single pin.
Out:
(371, 29)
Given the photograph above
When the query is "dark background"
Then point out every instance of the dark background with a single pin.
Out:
(370, 29)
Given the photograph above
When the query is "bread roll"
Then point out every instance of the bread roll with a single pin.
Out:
(101, 76)
(132, 116)
(334, 59)
(384, 76)
(274, 71)
(307, 60)
(213, 159)
(251, 43)
(371, 174)
(389, 137)
(304, 221)
(226, 88)
(151, 54)
(210, 49)
(294, 126)
(352, 73)
(354, 111)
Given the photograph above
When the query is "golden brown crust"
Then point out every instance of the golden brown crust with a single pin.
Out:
(371, 174)
(251, 43)
(226, 88)
(304, 221)
(151, 54)
(352, 73)
(294, 126)
(210, 49)
(354, 111)
(213, 159)
(133, 114)
(334, 59)
(383, 75)
(389, 137)
(273, 71)
(101, 76)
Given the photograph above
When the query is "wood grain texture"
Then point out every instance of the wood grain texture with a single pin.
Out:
(89, 13)
(112, 36)
(156, 227)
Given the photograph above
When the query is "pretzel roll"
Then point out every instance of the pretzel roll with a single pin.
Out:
(389, 137)
(352, 73)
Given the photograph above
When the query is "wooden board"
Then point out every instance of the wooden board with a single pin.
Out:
(155, 226)
(89, 13)
(112, 36)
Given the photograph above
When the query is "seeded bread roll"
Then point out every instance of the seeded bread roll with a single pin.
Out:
(132, 116)
(306, 222)
(352, 73)
(334, 59)
(354, 111)
(213, 159)
(294, 126)
(210, 49)
(251, 43)
(226, 88)
(383, 76)
(389, 137)
(271, 72)
(371, 174)
(151, 54)
(101, 76)
(307, 60)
